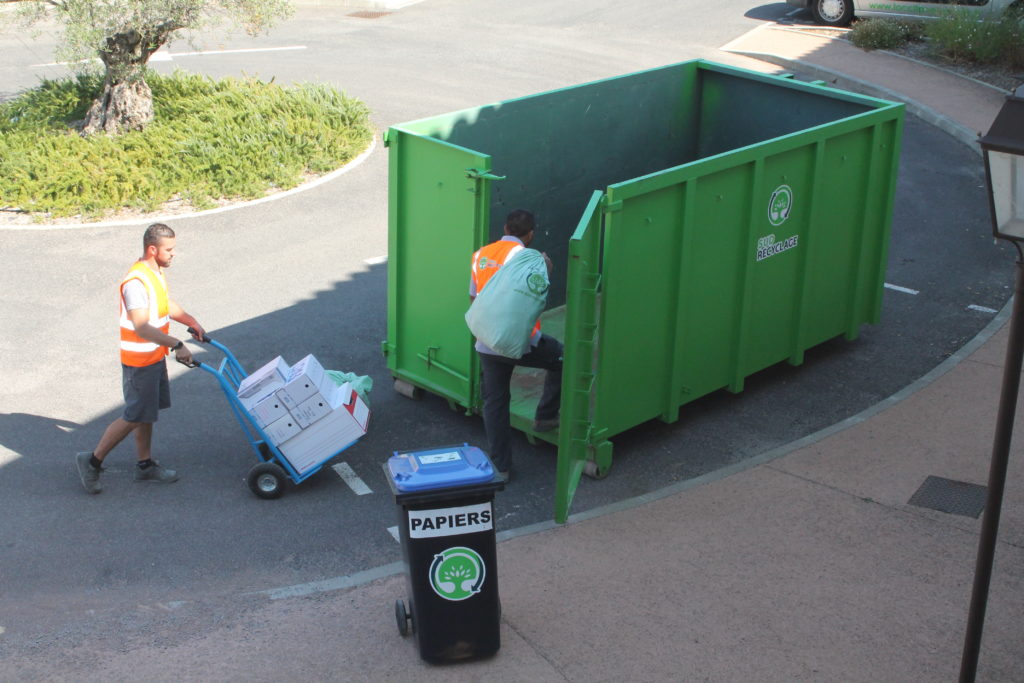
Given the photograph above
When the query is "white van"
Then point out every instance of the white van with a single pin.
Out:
(841, 12)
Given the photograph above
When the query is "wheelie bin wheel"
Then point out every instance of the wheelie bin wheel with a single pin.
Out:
(266, 480)
(402, 617)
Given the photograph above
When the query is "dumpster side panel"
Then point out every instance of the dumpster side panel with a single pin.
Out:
(437, 218)
(719, 269)
(836, 242)
(775, 268)
(584, 278)
(668, 329)
(708, 339)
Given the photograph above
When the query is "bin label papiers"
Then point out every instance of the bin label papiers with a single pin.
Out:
(457, 573)
(467, 519)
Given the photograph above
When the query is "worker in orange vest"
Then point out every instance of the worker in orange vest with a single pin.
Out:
(146, 312)
(545, 351)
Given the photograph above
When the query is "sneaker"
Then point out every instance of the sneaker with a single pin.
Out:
(546, 424)
(89, 475)
(155, 472)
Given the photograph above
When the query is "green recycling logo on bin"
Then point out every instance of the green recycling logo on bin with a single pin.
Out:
(457, 573)
(537, 283)
(780, 205)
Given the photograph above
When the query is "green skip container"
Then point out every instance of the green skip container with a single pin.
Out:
(705, 223)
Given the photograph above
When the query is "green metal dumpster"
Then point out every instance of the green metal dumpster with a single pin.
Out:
(706, 222)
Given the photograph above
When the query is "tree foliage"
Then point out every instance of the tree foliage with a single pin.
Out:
(125, 33)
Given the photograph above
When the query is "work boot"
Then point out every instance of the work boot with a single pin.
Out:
(155, 472)
(89, 475)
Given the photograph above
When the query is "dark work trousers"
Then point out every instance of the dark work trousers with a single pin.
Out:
(497, 397)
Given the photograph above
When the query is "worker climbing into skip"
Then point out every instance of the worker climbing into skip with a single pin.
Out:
(507, 330)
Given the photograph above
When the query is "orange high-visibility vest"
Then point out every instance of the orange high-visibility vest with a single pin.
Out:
(487, 260)
(136, 351)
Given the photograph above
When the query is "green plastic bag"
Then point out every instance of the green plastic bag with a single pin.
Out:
(361, 384)
(503, 315)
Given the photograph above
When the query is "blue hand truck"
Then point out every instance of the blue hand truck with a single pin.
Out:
(266, 479)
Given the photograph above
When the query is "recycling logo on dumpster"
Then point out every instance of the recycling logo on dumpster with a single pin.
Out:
(457, 573)
(780, 205)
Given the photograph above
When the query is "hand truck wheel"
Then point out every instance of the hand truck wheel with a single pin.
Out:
(266, 480)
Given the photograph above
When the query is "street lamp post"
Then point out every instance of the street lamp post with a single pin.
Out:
(1003, 147)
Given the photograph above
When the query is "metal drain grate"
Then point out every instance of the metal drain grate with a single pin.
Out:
(367, 14)
(950, 496)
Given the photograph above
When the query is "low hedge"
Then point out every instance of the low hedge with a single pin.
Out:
(230, 139)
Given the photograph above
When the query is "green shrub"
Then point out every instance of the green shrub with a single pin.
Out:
(210, 140)
(960, 36)
(885, 33)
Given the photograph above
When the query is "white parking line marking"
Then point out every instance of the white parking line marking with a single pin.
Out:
(982, 309)
(165, 56)
(393, 530)
(240, 51)
(376, 260)
(905, 290)
(351, 478)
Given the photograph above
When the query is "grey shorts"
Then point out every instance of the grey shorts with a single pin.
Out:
(147, 391)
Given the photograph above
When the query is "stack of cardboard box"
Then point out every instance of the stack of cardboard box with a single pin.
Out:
(303, 411)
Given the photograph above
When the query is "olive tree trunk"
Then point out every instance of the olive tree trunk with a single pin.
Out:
(126, 102)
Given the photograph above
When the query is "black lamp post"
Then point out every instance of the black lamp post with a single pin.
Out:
(1003, 148)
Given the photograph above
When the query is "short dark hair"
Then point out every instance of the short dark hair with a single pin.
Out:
(155, 233)
(520, 223)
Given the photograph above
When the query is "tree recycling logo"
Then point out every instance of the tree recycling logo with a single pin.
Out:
(537, 283)
(780, 205)
(457, 573)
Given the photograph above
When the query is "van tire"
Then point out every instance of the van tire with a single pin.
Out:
(832, 12)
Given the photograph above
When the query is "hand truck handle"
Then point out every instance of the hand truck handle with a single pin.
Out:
(205, 338)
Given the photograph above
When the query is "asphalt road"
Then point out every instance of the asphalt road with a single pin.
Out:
(303, 275)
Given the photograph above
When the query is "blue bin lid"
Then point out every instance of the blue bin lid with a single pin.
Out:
(440, 468)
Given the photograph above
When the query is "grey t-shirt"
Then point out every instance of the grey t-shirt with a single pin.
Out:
(135, 295)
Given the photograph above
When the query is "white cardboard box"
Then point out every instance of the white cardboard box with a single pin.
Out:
(305, 379)
(281, 430)
(329, 434)
(267, 410)
(270, 377)
(318, 405)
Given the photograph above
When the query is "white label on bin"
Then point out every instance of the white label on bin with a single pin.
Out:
(450, 521)
(438, 457)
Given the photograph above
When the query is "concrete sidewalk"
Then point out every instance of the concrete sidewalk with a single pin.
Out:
(804, 566)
